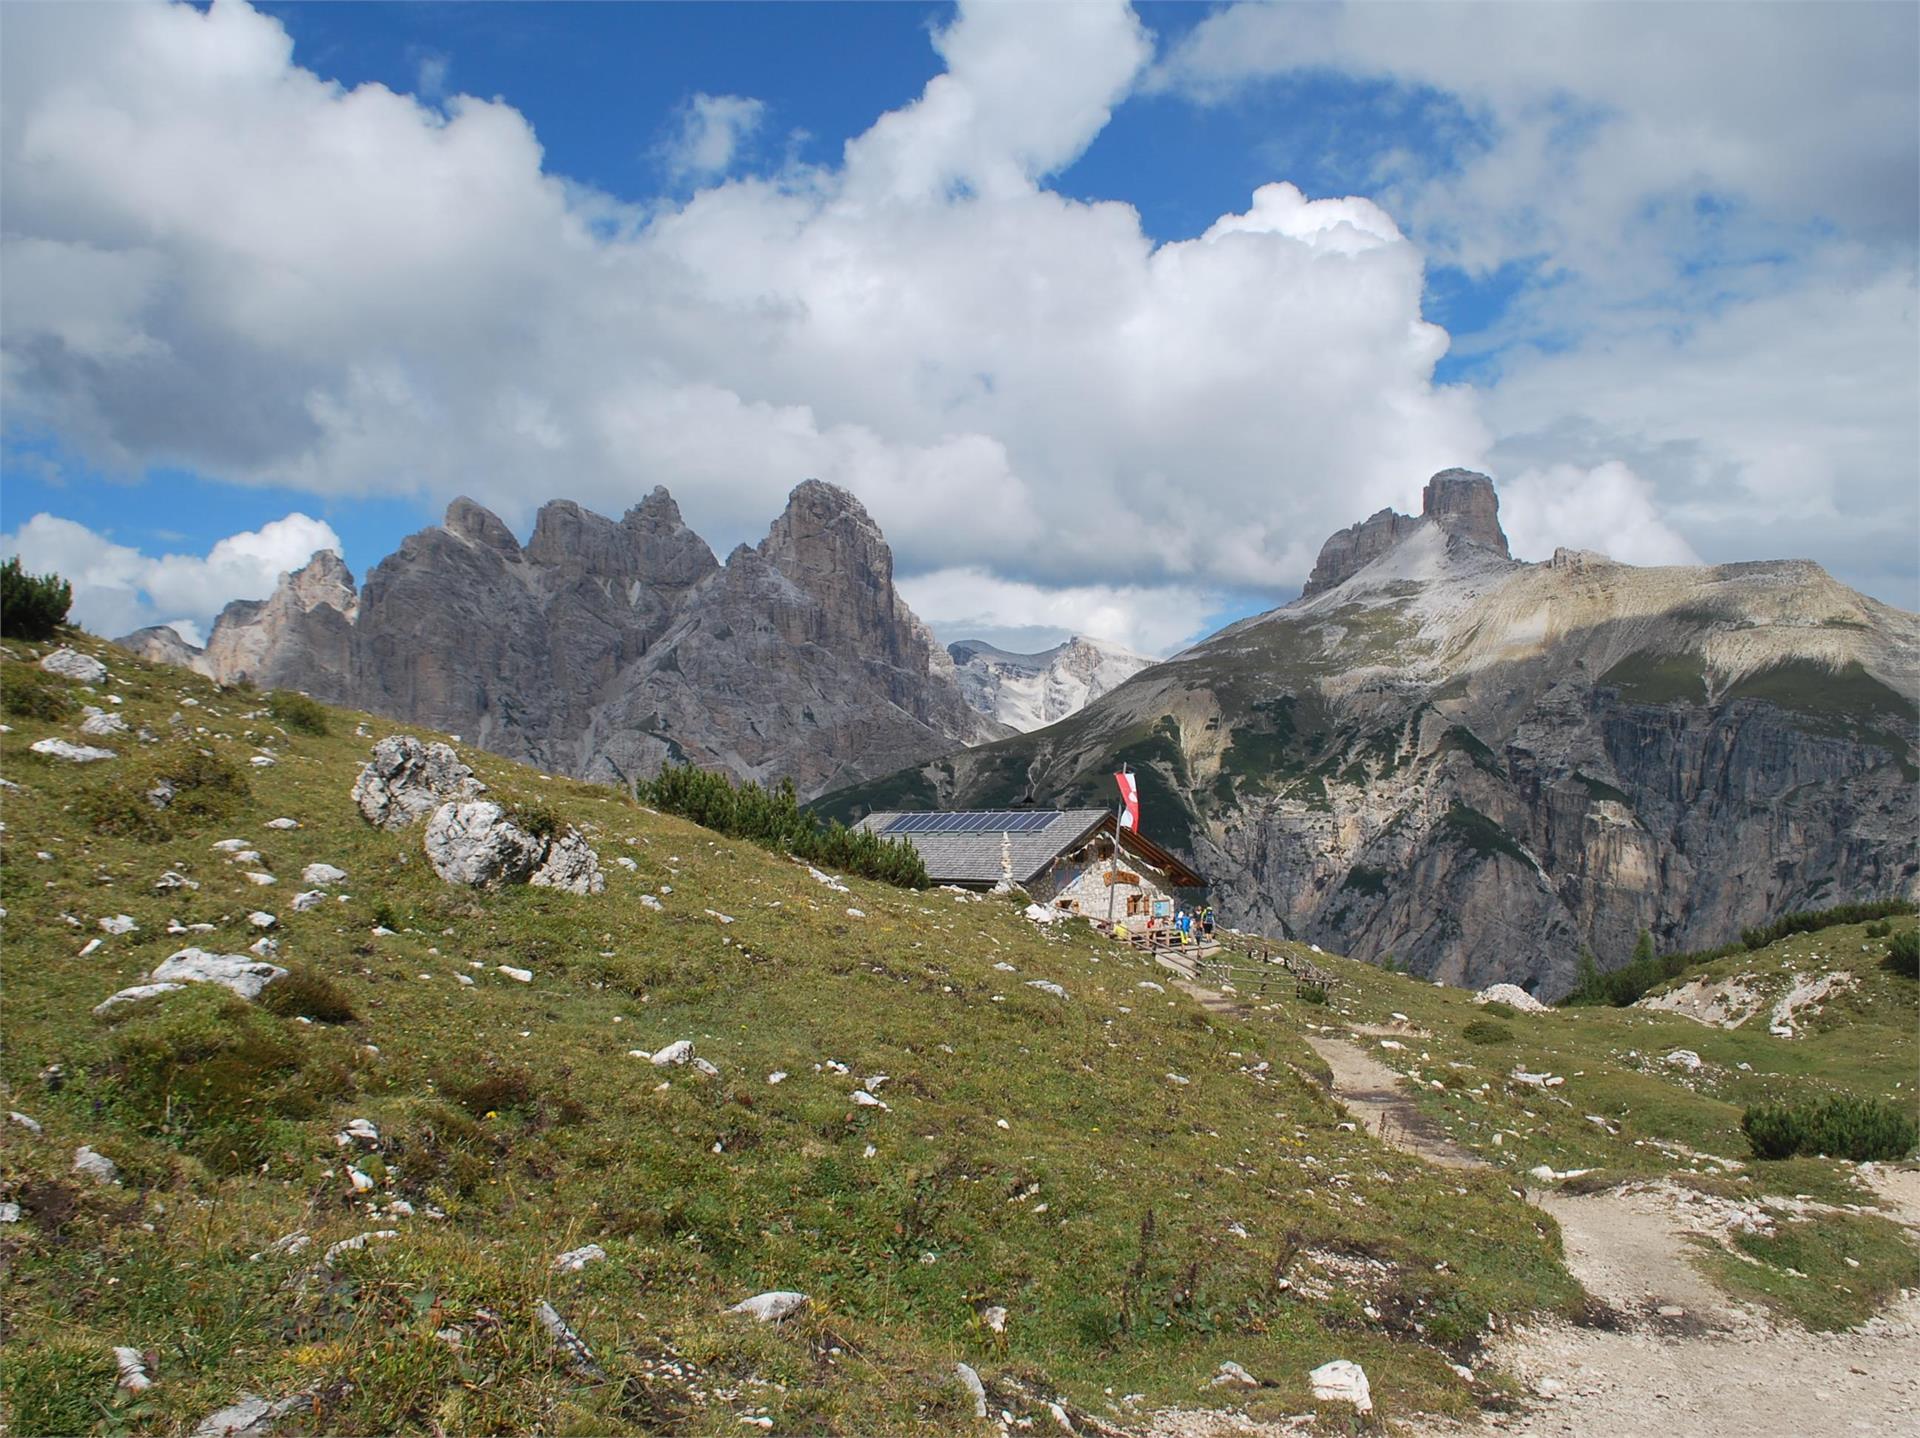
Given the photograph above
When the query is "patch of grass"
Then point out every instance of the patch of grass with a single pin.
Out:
(1802, 1271)
(1813, 921)
(1649, 678)
(1600, 789)
(61, 1386)
(1499, 1009)
(27, 693)
(1484, 836)
(307, 993)
(297, 713)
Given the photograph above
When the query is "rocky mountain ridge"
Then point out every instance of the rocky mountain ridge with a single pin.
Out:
(1483, 767)
(1030, 691)
(602, 648)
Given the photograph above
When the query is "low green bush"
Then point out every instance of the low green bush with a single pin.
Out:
(1499, 1009)
(296, 713)
(1485, 1031)
(537, 819)
(1903, 954)
(307, 993)
(1813, 920)
(1840, 1127)
(32, 606)
(29, 694)
(211, 1073)
(172, 791)
(773, 819)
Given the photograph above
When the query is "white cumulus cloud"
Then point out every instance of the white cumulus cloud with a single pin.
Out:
(709, 133)
(350, 292)
(117, 589)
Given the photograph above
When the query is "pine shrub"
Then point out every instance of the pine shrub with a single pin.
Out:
(1859, 1129)
(1485, 1031)
(297, 713)
(773, 819)
(32, 606)
(1903, 954)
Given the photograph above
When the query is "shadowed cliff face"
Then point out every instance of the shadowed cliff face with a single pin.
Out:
(1482, 767)
(603, 648)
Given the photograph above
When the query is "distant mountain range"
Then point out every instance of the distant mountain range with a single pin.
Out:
(603, 648)
(1030, 691)
(1483, 767)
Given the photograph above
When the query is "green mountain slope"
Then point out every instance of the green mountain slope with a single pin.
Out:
(1147, 1188)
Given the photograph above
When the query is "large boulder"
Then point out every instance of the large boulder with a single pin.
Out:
(72, 664)
(246, 977)
(406, 780)
(474, 843)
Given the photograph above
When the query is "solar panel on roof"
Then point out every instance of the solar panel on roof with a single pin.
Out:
(998, 821)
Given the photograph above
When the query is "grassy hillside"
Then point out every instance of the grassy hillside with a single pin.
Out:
(1037, 1155)
(1147, 1189)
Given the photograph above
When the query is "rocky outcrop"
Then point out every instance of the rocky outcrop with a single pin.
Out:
(603, 648)
(1030, 691)
(407, 779)
(1459, 501)
(1483, 768)
(475, 844)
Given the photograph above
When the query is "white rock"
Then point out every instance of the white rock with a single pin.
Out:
(407, 780)
(976, 1390)
(119, 924)
(1232, 1375)
(9, 1213)
(170, 881)
(1180, 1079)
(575, 1259)
(98, 723)
(1513, 995)
(1150, 984)
(473, 843)
(358, 1242)
(30, 1125)
(1342, 1382)
(863, 1099)
(72, 664)
(310, 899)
(230, 846)
(1684, 1059)
(710, 1070)
(295, 1242)
(248, 1416)
(133, 995)
(361, 1183)
(73, 753)
(777, 1076)
(524, 976)
(96, 1166)
(260, 919)
(283, 823)
(264, 948)
(362, 1129)
(246, 977)
(261, 761)
(256, 876)
(772, 1306)
(624, 862)
(1047, 986)
(995, 1318)
(680, 1051)
(570, 865)
(856, 913)
(647, 901)
(321, 875)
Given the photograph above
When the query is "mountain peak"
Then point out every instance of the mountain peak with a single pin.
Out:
(475, 522)
(1460, 501)
(1465, 502)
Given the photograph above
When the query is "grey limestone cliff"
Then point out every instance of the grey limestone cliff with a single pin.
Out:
(602, 648)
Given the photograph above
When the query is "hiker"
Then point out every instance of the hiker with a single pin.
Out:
(1206, 922)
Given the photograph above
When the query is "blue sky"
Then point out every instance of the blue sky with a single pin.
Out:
(582, 248)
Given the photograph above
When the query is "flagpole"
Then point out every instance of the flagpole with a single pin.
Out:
(1113, 864)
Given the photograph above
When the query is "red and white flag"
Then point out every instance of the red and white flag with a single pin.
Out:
(1129, 799)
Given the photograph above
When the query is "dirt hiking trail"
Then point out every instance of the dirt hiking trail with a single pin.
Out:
(1685, 1361)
